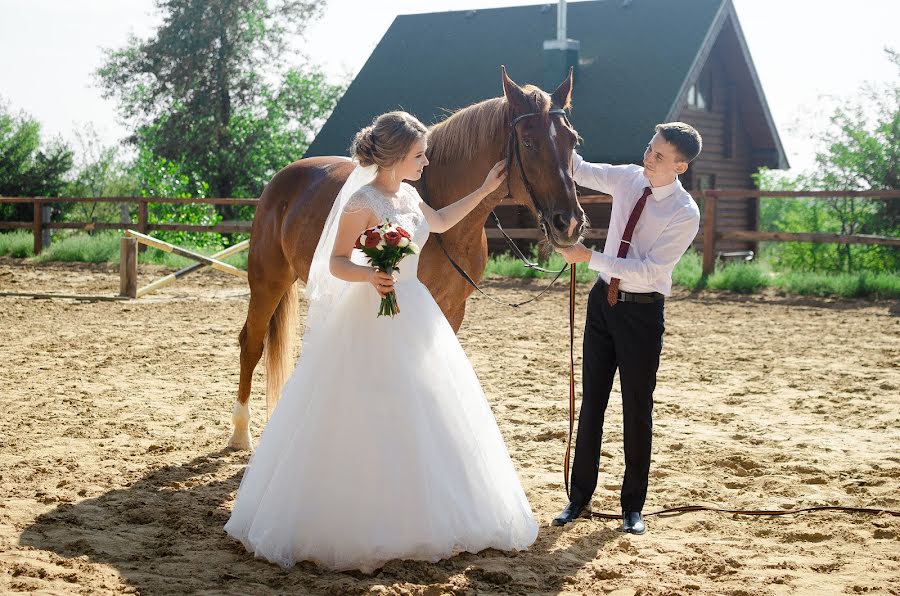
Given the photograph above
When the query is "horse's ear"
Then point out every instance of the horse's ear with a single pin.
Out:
(562, 97)
(514, 94)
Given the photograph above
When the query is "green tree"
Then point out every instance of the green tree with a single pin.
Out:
(162, 178)
(861, 151)
(99, 172)
(27, 167)
(199, 93)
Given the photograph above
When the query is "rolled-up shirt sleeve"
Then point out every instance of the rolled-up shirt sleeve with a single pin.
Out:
(662, 256)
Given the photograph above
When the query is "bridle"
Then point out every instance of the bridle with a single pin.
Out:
(512, 153)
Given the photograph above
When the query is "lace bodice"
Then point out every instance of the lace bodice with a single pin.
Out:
(402, 209)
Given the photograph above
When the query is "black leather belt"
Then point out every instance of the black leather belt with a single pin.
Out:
(637, 298)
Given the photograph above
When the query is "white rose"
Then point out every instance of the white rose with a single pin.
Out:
(414, 247)
(404, 242)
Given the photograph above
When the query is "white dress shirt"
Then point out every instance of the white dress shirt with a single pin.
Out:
(665, 230)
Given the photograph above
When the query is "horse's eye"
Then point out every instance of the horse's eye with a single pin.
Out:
(528, 144)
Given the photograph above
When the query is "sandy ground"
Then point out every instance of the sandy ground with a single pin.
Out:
(113, 476)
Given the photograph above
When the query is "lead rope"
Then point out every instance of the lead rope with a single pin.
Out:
(681, 508)
(571, 375)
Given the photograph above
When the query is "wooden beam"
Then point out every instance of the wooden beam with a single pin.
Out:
(809, 237)
(535, 234)
(803, 194)
(173, 277)
(238, 226)
(183, 252)
(595, 199)
(187, 201)
(86, 298)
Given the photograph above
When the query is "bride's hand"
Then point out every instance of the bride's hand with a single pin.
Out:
(495, 177)
(383, 283)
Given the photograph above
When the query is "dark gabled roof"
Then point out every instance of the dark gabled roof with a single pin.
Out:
(636, 61)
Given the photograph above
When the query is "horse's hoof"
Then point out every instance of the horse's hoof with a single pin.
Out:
(240, 441)
(240, 417)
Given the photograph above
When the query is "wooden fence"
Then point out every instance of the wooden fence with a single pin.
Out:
(41, 220)
(710, 235)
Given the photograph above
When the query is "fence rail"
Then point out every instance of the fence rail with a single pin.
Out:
(710, 235)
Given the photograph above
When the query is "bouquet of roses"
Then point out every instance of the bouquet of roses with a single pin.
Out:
(385, 245)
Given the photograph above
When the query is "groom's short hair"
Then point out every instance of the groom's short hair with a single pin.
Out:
(683, 137)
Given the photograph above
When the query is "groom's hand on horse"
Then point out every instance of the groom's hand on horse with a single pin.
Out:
(494, 177)
(384, 283)
(577, 253)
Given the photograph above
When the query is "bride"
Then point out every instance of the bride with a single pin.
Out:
(382, 445)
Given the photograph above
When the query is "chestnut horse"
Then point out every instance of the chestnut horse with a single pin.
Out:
(526, 123)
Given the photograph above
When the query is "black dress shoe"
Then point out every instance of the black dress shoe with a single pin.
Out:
(633, 522)
(572, 512)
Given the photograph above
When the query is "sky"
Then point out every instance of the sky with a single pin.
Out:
(809, 54)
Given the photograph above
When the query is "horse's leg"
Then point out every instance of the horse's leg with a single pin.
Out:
(456, 315)
(265, 297)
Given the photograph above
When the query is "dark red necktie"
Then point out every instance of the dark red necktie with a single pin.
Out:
(612, 296)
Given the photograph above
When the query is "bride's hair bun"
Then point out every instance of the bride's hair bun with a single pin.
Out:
(387, 140)
(363, 147)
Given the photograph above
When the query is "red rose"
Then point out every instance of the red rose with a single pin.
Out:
(403, 233)
(373, 238)
(358, 243)
(392, 238)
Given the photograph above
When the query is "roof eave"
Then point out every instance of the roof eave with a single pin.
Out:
(726, 12)
(703, 53)
(770, 122)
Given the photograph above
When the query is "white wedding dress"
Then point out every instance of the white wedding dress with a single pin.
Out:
(382, 445)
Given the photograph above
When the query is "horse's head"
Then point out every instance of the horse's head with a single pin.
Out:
(539, 158)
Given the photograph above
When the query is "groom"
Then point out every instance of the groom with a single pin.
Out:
(653, 222)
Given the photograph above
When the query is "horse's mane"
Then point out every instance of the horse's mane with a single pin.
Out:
(466, 132)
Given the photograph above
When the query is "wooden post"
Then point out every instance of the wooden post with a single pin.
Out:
(142, 216)
(37, 228)
(128, 267)
(709, 232)
(142, 220)
(46, 214)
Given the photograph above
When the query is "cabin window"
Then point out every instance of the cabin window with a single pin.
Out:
(700, 93)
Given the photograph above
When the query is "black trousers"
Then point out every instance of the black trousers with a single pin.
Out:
(627, 337)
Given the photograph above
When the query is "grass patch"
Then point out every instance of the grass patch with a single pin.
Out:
(743, 278)
(508, 265)
(99, 248)
(688, 271)
(102, 247)
(844, 285)
(17, 244)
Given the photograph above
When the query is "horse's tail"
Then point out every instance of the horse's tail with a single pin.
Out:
(280, 341)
